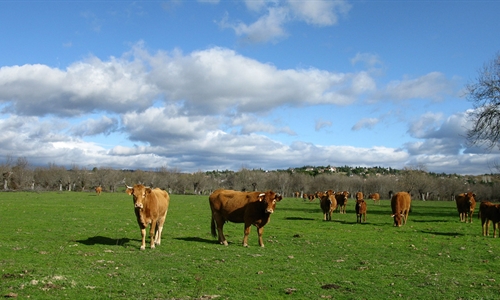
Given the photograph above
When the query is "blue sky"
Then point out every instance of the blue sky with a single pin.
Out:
(204, 85)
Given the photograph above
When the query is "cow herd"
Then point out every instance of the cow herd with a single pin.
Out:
(255, 208)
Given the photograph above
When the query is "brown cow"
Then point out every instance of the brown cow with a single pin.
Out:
(400, 204)
(151, 207)
(342, 200)
(328, 204)
(466, 203)
(241, 207)
(98, 190)
(375, 197)
(360, 210)
(489, 212)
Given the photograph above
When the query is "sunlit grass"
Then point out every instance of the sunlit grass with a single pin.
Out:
(79, 246)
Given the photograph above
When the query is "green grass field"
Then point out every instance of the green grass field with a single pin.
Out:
(79, 246)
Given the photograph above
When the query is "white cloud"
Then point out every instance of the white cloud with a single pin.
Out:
(434, 86)
(267, 28)
(271, 25)
(92, 85)
(319, 12)
(220, 80)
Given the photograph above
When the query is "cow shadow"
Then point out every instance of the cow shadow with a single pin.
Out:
(197, 239)
(102, 240)
(442, 233)
(299, 219)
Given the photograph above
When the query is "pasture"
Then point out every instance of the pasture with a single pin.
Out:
(73, 245)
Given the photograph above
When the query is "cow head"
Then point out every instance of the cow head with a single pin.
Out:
(470, 199)
(139, 193)
(269, 198)
(397, 219)
(359, 196)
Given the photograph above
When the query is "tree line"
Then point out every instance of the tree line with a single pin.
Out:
(19, 175)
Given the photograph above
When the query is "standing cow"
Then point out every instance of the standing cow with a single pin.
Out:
(466, 203)
(251, 208)
(400, 204)
(375, 197)
(151, 207)
(328, 204)
(98, 190)
(489, 212)
(360, 210)
(342, 201)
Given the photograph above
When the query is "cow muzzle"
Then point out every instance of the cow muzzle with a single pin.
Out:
(138, 205)
(269, 211)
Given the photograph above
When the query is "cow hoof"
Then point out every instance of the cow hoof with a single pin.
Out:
(143, 248)
(224, 243)
(245, 245)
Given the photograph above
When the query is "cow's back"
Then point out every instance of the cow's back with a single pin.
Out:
(400, 202)
(231, 204)
(162, 201)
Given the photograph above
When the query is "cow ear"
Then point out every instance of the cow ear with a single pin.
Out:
(392, 216)
(148, 190)
(278, 198)
(129, 191)
(261, 197)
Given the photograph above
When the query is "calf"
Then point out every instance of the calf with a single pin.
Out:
(251, 208)
(400, 204)
(98, 190)
(151, 207)
(328, 204)
(342, 201)
(360, 210)
(375, 197)
(489, 212)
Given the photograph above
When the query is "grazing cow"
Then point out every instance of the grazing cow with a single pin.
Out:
(400, 204)
(375, 197)
(360, 210)
(466, 203)
(342, 200)
(241, 207)
(328, 204)
(98, 190)
(489, 212)
(151, 206)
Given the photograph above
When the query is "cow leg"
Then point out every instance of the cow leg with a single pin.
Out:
(247, 232)
(143, 236)
(364, 218)
(152, 230)
(260, 232)
(159, 230)
(219, 221)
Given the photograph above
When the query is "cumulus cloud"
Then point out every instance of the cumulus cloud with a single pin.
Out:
(321, 13)
(267, 28)
(271, 25)
(93, 85)
(217, 80)
(208, 109)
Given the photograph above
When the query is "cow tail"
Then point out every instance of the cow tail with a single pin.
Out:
(212, 227)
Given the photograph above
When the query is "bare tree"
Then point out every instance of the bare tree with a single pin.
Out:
(484, 93)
